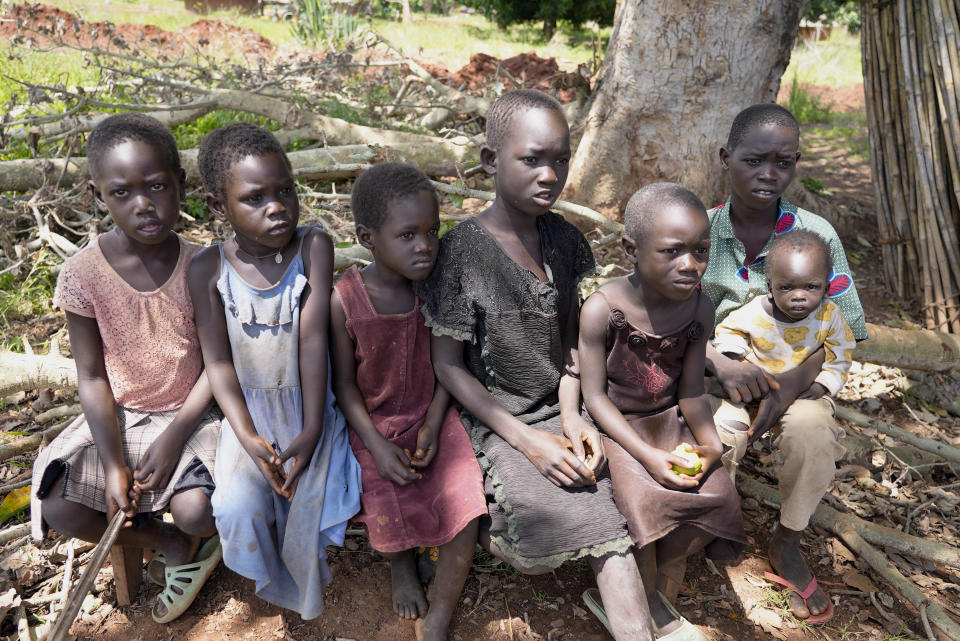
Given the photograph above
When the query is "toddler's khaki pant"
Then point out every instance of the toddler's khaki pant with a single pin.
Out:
(807, 444)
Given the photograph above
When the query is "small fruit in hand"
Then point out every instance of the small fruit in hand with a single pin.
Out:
(694, 464)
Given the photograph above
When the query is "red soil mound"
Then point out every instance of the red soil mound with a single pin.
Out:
(47, 24)
(529, 69)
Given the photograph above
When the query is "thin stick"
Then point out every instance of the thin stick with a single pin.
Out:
(926, 621)
(62, 625)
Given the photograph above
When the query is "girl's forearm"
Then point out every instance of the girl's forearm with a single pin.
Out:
(354, 410)
(612, 423)
(313, 367)
(696, 412)
(569, 397)
(478, 401)
(229, 396)
(191, 412)
(100, 411)
(438, 405)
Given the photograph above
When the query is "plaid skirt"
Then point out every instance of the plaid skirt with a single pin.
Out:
(75, 454)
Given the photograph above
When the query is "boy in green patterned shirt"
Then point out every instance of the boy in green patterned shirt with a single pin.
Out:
(760, 157)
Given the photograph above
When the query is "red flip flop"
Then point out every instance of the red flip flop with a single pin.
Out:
(824, 616)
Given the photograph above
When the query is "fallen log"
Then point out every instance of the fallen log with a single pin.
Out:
(919, 349)
(32, 442)
(859, 535)
(435, 158)
(33, 371)
(944, 450)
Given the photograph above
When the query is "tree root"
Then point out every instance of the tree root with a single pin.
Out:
(948, 452)
(859, 534)
(919, 349)
(32, 371)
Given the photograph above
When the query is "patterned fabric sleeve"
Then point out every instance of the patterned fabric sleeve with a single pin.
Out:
(69, 294)
(448, 307)
(838, 345)
(841, 289)
(732, 336)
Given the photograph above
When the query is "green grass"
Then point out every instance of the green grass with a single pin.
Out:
(453, 39)
(834, 62)
(22, 300)
(807, 107)
(853, 136)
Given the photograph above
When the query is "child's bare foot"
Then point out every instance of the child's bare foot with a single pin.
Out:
(788, 562)
(409, 602)
(430, 630)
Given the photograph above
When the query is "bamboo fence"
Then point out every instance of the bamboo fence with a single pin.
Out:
(911, 62)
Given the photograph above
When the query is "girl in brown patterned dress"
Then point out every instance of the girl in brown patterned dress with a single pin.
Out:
(642, 349)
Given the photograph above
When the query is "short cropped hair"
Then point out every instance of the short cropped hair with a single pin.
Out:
(222, 147)
(120, 128)
(382, 184)
(799, 241)
(766, 113)
(509, 105)
(649, 199)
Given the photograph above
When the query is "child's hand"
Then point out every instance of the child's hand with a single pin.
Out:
(267, 461)
(585, 442)
(772, 407)
(659, 464)
(301, 451)
(427, 440)
(393, 463)
(157, 464)
(553, 457)
(815, 391)
(120, 492)
(708, 456)
(743, 381)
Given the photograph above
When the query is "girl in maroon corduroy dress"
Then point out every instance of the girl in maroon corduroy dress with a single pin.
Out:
(421, 481)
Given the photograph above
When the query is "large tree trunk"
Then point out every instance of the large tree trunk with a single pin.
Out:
(910, 70)
(674, 76)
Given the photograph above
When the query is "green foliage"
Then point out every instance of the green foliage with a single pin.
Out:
(844, 12)
(508, 12)
(28, 298)
(189, 134)
(813, 185)
(835, 62)
(807, 107)
(318, 23)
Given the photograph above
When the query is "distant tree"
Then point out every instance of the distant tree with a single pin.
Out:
(845, 12)
(576, 12)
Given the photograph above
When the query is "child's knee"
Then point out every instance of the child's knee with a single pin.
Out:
(193, 512)
(810, 429)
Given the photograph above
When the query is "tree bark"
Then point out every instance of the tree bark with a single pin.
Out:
(673, 68)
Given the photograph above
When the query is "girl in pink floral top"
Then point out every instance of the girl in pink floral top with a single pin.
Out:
(147, 438)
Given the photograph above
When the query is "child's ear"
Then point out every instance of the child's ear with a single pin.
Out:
(725, 158)
(488, 160)
(97, 196)
(629, 248)
(769, 289)
(215, 205)
(365, 236)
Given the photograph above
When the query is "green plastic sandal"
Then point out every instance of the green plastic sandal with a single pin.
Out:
(594, 603)
(183, 582)
(155, 568)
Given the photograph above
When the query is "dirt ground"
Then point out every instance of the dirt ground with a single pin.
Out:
(728, 601)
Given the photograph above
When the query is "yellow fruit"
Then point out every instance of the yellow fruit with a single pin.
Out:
(694, 463)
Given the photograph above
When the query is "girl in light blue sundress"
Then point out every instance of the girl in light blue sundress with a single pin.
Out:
(287, 479)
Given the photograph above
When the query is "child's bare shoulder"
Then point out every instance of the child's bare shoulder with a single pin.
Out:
(205, 264)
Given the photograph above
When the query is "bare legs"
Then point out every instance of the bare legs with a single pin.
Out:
(455, 559)
(624, 597)
(788, 562)
(621, 589)
(191, 510)
(662, 566)
(409, 601)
